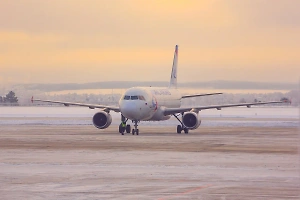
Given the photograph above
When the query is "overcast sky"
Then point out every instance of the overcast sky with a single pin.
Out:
(80, 41)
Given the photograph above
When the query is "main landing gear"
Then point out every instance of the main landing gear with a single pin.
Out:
(124, 128)
(181, 127)
(127, 128)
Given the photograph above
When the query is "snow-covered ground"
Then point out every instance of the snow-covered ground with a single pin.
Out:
(255, 116)
(81, 162)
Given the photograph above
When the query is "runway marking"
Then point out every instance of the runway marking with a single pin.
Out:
(185, 192)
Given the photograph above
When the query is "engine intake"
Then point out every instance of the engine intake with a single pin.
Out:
(191, 120)
(102, 120)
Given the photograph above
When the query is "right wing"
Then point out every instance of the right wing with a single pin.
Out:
(171, 111)
(91, 106)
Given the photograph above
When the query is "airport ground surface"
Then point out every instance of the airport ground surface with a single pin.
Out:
(81, 162)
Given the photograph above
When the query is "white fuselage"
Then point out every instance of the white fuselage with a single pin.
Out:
(148, 103)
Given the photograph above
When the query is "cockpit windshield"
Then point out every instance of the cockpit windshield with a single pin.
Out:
(135, 97)
(126, 97)
(142, 98)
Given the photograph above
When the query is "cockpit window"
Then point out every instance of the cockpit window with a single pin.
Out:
(126, 97)
(142, 98)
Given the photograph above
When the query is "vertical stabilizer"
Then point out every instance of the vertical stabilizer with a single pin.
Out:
(173, 80)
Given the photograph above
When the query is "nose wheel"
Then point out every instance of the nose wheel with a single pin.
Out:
(135, 130)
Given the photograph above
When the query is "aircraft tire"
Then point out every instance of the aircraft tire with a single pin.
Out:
(186, 131)
(137, 131)
(179, 129)
(128, 128)
(133, 131)
(121, 129)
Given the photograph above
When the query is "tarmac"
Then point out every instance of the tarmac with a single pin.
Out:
(82, 162)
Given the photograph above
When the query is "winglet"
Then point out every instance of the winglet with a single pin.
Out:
(32, 99)
(173, 79)
(286, 100)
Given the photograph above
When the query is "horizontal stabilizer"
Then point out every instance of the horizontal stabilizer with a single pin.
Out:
(200, 95)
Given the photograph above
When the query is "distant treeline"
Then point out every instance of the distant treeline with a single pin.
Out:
(9, 99)
(247, 85)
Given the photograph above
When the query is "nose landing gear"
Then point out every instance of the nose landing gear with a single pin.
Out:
(135, 130)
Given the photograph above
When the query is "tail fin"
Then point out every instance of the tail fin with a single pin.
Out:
(173, 80)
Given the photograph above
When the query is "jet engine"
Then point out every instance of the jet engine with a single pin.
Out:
(102, 120)
(191, 120)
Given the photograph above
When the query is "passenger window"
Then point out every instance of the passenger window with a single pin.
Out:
(126, 97)
(134, 97)
(142, 98)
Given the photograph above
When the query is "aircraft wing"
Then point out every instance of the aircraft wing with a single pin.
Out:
(171, 111)
(91, 106)
(200, 95)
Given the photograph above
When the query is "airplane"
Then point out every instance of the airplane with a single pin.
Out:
(153, 104)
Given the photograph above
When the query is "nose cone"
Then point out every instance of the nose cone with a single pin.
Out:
(130, 110)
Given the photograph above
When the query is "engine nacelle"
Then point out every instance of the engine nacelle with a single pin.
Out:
(102, 120)
(191, 120)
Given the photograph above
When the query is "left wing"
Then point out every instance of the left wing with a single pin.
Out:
(91, 106)
(171, 111)
(200, 95)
